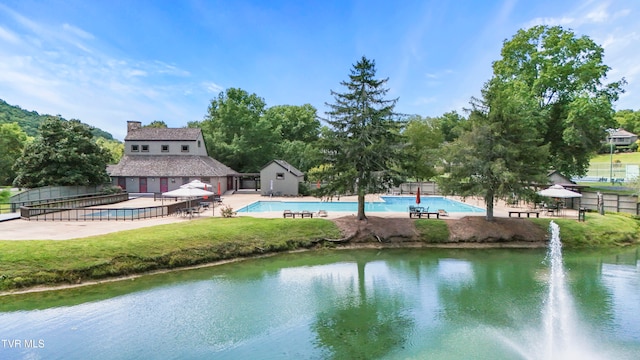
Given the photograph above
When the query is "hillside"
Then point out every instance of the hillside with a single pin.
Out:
(30, 121)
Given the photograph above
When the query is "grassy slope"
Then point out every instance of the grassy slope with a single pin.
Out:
(611, 229)
(624, 158)
(29, 263)
(45, 262)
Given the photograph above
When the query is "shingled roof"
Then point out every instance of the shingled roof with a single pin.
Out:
(169, 166)
(163, 134)
(286, 166)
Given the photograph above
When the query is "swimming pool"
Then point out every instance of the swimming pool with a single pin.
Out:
(114, 213)
(388, 204)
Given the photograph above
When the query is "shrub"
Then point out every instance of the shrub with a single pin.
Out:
(303, 189)
(227, 211)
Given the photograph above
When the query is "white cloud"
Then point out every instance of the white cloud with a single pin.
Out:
(599, 14)
(62, 70)
(77, 32)
(212, 87)
(8, 36)
(423, 100)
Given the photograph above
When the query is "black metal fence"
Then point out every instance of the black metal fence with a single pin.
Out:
(50, 213)
(72, 202)
(91, 214)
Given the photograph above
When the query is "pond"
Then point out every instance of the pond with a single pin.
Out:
(344, 304)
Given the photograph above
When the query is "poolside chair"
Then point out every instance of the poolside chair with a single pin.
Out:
(417, 211)
(306, 213)
(443, 212)
(322, 213)
(288, 213)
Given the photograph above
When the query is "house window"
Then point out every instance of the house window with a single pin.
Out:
(165, 148)
(145, 148)
(198, 143)
(279, 176)
(135, 148)
(185, 180)
(185, 148)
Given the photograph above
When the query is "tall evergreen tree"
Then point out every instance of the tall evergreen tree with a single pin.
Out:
(362, 146)
(64, 153)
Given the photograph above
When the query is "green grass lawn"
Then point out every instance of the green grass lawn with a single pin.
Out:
(623, 158)
(48, 262)
(29, 263)
(611, 229)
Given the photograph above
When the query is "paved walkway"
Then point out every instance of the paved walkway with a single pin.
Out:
(64, 230)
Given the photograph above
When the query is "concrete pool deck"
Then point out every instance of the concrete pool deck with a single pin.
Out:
(64, 230)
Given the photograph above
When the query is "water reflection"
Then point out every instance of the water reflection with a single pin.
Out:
(368, 311)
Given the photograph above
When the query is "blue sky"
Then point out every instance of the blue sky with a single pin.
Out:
(106, 62)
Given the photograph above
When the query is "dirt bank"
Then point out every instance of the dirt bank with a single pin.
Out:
(471, 229)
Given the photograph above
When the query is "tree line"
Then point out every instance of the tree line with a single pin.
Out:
(546, 106)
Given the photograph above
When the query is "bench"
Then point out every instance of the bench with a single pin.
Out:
(419, 212)
(437, 214)
(293, 214)
(529, 213)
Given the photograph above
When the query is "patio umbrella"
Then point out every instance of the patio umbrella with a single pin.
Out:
(187, 192)
(418, 197)
(558, 191)
(196, 184)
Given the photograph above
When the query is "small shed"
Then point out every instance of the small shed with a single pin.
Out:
(280, 178)
(556, 178)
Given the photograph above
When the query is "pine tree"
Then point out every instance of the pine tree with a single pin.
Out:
(362, 146)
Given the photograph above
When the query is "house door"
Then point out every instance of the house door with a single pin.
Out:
(230, 183)
(143, 184)
(122, 183)
(164, 184)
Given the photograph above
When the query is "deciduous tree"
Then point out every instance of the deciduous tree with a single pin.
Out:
(363, 145)
(424, 139)
(114, 147)
(500, 156)
(12, 141)
(565, 75)
(236, 132)
(628, 120)
(64, 153)
(298, 128)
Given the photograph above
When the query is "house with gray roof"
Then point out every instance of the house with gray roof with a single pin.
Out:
(620, 138)
(158, 160)
(280, 178)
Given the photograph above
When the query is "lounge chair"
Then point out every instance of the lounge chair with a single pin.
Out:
(417, 211)
(322, 213)
(443, 212)
(288, 213)
(306, 213)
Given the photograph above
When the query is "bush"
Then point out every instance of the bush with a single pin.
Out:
(4, 195)
(227, 211)
(303, 189)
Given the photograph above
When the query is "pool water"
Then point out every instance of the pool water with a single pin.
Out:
(388, 204)
(118, 213)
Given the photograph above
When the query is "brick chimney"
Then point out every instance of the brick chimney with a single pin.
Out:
(133, 125)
